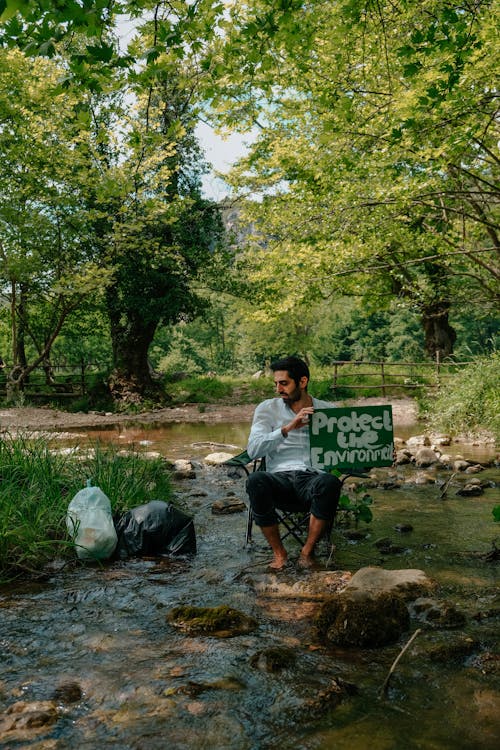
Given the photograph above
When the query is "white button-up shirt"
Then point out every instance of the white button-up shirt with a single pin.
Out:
(292, 453)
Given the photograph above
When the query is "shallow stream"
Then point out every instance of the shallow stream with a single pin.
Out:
(96, 643)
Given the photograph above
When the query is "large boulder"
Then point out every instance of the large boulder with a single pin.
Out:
(372, 609)
(409, 583)
(362, 620)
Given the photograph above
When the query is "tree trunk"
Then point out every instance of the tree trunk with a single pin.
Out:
(439, 334)
(131, 379)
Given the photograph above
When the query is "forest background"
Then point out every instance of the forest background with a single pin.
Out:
(361, 224)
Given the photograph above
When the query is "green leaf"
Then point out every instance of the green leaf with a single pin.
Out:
(496, 512)
(9, 8)
(100, 53)
(365, 514)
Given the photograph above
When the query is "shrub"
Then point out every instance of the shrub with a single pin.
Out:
(470, 401)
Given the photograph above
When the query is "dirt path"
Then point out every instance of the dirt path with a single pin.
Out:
(404, 412)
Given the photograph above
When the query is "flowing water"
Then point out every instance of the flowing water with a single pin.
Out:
(141, 684)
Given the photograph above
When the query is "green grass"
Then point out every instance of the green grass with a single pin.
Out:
(470, 402)
(36, 487)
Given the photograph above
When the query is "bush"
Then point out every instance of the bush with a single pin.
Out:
(470, 401)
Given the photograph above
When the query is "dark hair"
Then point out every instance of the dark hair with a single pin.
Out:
(294, 366)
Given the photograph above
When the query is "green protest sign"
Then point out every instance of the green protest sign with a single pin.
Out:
(342, 438)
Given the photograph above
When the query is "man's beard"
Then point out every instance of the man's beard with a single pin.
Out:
(292, 397)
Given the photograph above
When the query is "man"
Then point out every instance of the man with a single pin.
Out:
(280, 432)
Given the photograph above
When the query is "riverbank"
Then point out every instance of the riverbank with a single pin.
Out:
(405, 412)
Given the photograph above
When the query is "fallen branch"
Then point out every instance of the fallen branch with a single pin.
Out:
(445, 488)
(385, 686)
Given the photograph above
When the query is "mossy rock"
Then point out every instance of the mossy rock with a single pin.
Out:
(273, 659)
(221, 622)
(361, 620)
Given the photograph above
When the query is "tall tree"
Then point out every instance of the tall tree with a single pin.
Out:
(46, 263)
(376, 155)
(156, 231)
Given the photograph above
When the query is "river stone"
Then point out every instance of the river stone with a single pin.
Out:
(460, 464)
(183, 469)
(425, 457)
(315, 586)
(418, 440)
(25, 716)
(437, 614)
(409, 583)
(362, 619)
(228, 505)
(215, 459)
(219, 622)
(403, 457)
(68, 692)
(273, 659)
(470, 490)
(474, 469)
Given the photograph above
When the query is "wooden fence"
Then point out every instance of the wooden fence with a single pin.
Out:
(57, 381)
(66, 381)
(407, 376)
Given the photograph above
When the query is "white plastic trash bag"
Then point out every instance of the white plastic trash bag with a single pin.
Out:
(90, 524)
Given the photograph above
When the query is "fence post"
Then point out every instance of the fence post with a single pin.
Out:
(438, 367)
(82, 375)
(382, 372)
(335, 372)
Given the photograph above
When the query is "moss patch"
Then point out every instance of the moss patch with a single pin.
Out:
(363, 621)
(221, 622)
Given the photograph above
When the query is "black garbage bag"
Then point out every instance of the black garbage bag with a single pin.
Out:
(155, 528)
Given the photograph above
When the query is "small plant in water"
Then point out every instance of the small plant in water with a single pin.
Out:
(358, 507)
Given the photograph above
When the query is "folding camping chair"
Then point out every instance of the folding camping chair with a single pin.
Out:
(295, 522)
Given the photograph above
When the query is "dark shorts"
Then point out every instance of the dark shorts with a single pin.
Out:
(312, 491)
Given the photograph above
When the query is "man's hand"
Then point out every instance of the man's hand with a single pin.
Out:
(300, 420)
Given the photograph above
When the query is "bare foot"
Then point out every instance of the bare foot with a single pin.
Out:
(278, 563)
(306, 561)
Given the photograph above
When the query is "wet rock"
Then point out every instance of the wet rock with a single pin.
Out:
(383, 542)
(446, 460)
(227, 506)
(417, 440)
(362, 620)
(315, 586)
(425, 457)
(183, 469)
(470, 490)
(437, 614)
(28, 717)
(474, 469)
(487, 662)
(215, 459)
(68, 692)
(220, 622)
(273, 659)
(325, 700)
(410, 583)
(403, 528)
(459, 464)
(387, 546)
(389, 484)
(423, 477)
(456, 649)
(403, 457)
(355, 535)
(440, 439)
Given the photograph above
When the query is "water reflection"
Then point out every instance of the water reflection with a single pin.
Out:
(195, 440)
(184, 440)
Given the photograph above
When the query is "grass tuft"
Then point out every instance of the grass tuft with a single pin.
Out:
(37, 485)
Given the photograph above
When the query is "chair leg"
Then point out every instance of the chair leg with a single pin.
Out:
(248, 537)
